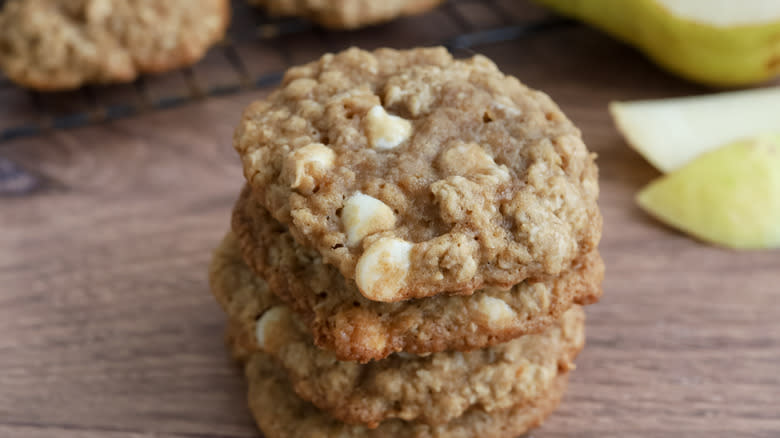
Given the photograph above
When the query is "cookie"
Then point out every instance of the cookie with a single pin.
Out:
(280, 413)
(241, 293)
(355, 328)
(346, 14)
(64, 44)
(431, 389)
(416, 174)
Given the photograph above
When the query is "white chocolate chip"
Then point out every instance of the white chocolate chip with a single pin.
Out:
(317, 153)
(497, 313)
(272, 316)
(471, 160)
(381, 271)
(304, 164)
(363, 215)
(385, 131)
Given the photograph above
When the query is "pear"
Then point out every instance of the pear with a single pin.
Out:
(715, 42)
(671, 132)
(729, 196)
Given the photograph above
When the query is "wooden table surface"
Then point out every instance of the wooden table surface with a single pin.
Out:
(107, 327)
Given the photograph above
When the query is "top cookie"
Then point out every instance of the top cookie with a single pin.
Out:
(64, 44)
(417, 174)
(346, 14)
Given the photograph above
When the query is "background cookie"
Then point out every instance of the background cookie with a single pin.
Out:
(63, 44)
(346, 14)
(355, 328)
(282, 414)
(416, 174)
(433, 389)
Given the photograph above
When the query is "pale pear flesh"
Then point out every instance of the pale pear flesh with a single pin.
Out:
(725, 13)
(669, 133)
(729, 197)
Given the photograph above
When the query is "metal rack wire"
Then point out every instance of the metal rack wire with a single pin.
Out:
(262, 30)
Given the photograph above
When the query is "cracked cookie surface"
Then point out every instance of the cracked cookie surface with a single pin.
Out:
(457, 176)
(431, 389)
(346, 14)
(64, 44)
(355, 328)
(280, 413)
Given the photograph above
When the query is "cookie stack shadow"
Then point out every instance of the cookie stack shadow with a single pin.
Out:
(408, 264)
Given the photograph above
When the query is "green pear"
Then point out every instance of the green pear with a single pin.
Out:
(669, 133)
(716, 42)
(729, 196)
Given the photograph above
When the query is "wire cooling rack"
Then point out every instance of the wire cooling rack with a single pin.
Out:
(230, 60)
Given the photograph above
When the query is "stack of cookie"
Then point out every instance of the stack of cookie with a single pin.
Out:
(411, 249)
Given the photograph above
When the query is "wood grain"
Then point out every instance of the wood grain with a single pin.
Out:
(107, 328)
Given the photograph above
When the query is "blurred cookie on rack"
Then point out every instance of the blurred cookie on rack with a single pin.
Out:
(52, 45)
(346, 14)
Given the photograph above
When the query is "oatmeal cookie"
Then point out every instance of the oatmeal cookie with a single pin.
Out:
(346, 14)
(280, 413)
(416, 174)
(431, 389)
(64, 44)
(355, 328)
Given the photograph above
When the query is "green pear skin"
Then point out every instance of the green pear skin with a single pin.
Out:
(713, 55)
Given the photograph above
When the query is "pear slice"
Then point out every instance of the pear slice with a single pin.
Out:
(717, 42)
(669, 133)
(730, 196)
